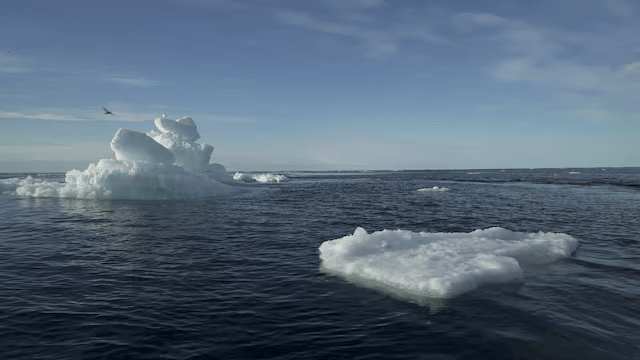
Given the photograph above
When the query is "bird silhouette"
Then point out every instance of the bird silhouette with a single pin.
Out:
(164, 115)
(107, 111)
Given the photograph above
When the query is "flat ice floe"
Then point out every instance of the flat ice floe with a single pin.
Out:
(439, 265)
(433, 189)
(261, 178)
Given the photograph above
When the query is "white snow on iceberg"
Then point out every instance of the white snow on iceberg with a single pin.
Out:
(179, 138)
(183, 127)
(439, 265)
(137, 146)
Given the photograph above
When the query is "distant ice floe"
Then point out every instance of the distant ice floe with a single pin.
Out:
(157, 165)
(9, 185)
(574, 172)
(439, 265)
(261, 178)
(433, 189)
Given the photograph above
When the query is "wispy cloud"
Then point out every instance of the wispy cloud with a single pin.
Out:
(16, 115)
(378, 40)
(223, 118)
(553, 59)
(130, 80)
(632, 69)
(12, 64)
(355, 3)
(120, 113)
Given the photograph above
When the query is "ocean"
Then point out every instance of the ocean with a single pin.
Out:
(239, 275)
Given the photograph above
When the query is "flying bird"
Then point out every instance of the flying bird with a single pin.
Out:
(164, 115)
(107, 111)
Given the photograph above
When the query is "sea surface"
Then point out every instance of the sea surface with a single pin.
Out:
(239, 276)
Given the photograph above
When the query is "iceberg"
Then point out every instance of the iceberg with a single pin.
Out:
(168, 164)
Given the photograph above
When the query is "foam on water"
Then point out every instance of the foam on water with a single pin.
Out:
(157, 165)
(261, 178)
(439, 265)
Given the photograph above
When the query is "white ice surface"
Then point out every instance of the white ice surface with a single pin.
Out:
(187, 154)
(137, 146)
(183, 127)
(261, 178)
(439, 265)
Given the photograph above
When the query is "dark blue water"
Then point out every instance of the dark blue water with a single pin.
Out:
(237, 276)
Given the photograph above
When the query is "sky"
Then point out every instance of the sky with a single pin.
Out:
(326, 84)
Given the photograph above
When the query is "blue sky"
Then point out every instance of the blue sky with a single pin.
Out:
(326, 84)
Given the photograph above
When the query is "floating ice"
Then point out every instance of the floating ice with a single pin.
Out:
(261, 178)
(165, 165)
(439, 265)
(435, 188)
